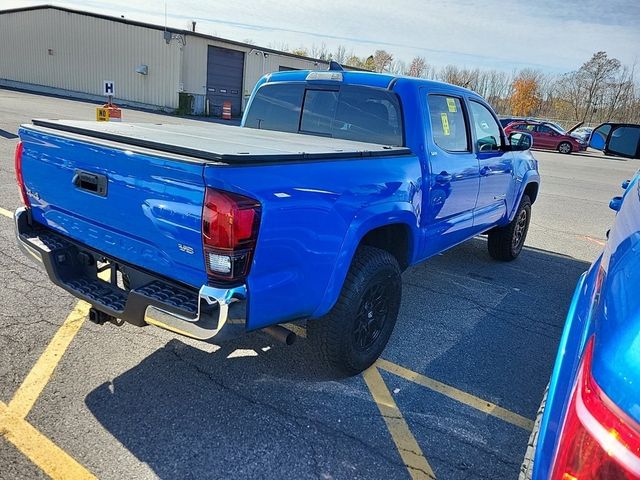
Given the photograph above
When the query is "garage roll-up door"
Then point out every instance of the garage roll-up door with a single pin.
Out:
(224, 79)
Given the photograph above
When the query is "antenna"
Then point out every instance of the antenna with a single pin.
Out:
(333, 65)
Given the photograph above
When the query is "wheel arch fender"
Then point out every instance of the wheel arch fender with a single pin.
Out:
(530, 185)
(366, 221)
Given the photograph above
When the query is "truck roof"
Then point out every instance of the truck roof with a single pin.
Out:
(216, 142)
(369, 79)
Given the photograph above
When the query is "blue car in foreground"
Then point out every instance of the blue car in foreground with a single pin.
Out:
(590, 428)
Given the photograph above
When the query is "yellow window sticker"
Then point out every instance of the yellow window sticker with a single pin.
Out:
(445, 123)
(451, 103)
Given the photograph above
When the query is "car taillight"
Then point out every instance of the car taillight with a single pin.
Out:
(229, 232)
(598, 440)
(19, 177)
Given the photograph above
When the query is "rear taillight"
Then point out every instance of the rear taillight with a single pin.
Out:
(19, 177)
(598, 440)
(229, 232)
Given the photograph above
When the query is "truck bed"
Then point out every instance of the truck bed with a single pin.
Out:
(220, 143)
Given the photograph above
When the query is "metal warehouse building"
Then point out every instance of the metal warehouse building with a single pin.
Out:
(60, 50)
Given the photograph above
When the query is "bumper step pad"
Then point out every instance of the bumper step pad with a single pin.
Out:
(100, 292)
(171, 295)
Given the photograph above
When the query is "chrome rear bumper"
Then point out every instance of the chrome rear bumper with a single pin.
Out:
(206, 326)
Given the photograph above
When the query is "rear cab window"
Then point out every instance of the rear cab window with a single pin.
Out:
(448, 124)
(276, 108)
(349, 112)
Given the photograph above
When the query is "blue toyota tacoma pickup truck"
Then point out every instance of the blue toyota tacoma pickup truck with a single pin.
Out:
(334, 184)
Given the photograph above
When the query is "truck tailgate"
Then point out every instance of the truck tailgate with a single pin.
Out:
(133, 206)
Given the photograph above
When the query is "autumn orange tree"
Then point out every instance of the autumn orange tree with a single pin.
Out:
(525, 98)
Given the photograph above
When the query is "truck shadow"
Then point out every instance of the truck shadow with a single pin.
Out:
(253, 408)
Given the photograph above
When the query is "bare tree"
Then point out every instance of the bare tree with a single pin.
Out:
(280, 46)
(301, 51)
(586, 88)
(382, 60)
(340, 54)
(354, 61)
(320, 52)
(397, 67)
(417, 67)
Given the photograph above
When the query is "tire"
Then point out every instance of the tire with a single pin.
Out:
(526, 469)
(565, 147)
(351, 337)
(505, 243)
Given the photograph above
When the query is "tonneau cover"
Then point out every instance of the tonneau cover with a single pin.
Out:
(223, 143)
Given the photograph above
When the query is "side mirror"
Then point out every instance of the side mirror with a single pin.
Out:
(617, 139)
(520, 141)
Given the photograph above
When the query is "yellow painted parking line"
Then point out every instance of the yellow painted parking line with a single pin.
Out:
(458, 395)
(444, 389)
(27, 394)
(6, 213)
(404, 440)
(50, 458)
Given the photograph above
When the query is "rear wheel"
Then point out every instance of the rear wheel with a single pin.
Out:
(354, 333)
(565, 147)
(505, 243)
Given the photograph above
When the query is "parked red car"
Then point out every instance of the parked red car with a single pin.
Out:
(546, 136)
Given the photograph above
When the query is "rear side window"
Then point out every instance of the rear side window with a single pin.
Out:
(363, 114)
(448, 124)
(276, 107)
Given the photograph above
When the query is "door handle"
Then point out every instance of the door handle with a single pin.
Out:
(90, 182)
(444, 178)
(484, 171)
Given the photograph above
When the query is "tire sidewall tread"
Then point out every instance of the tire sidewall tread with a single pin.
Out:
(500, 240)
(331, 336)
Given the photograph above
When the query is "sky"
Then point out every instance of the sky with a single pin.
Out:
(555, 36)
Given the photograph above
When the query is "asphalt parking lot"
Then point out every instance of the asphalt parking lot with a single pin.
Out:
(455, 395)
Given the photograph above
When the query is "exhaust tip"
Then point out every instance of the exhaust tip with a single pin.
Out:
(290, 338)
(283, 335)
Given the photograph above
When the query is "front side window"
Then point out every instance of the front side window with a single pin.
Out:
(486, 128)
(448, 125)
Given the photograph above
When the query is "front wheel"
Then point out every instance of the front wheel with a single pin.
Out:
(354, 333)
(565, 147)
(505, 243)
